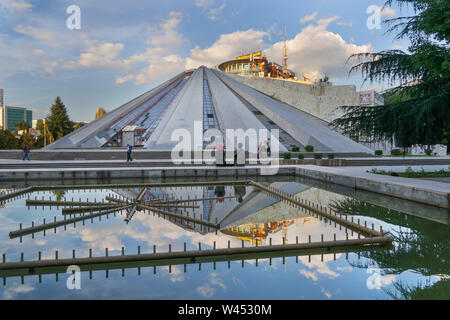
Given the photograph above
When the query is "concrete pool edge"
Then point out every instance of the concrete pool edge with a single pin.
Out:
(426, 192)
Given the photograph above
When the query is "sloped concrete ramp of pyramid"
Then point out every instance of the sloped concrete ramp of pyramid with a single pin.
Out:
(304, 129)
(198, 100)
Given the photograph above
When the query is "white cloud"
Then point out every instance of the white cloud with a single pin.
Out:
(39, 34)
(50, 66)
(212, 13)
(38, 53)
(100, 54)
(345, 23)
(388, 12)
(158, 68)
(314, 50)
(166, 36)
(204, 3)
(226, 48)
(317, 51)
(16, 5)
(310, 17)
(163, 41)
(95, 55)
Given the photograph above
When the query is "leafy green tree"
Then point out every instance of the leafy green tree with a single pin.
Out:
(23, 126)
(421, 247)
(7, 140)
(417, 108)
(45, 134)
(27, 139)
(59, 194)
(40, 125)
(59, 123)
(78, 125)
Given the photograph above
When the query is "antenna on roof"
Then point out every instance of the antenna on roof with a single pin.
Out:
(285, 53)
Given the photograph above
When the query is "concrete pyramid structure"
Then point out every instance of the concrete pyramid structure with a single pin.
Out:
(198, 100)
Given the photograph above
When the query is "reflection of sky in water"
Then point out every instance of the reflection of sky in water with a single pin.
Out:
(317, 277)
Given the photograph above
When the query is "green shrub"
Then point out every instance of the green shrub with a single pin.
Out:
(318, 156)
(395, 152)
(330, 156)
(309, 148)
(428, 152)
(296, 149)
(301, 156)
(379, 153)
(287, 155)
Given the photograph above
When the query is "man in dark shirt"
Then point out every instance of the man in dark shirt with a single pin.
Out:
(130, 149)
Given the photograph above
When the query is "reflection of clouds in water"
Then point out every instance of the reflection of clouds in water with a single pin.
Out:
(150, 230)
(207, 290)
(387, 279)
(344, 269)
(238, 282)
(176, 274)
(215, 280)
(13, 291)
(318, 268)
(326, 293)
(143, 228)
(309, 274)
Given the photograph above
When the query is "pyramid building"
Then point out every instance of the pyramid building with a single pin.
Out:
(204, 99)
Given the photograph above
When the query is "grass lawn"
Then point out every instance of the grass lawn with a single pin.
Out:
(410, 156)
(409, 173)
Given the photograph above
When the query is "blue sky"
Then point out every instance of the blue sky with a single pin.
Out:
(125, 48)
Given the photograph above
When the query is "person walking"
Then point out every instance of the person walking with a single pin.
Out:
(26, 151)
(130, 149)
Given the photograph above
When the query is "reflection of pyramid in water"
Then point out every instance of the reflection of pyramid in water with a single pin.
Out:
(258, 201)
(212, 99)
(251, 205)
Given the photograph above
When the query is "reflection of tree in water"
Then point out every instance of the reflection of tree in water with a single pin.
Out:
(239, 192)
(423, 247)
(59, 194)
(438, 291)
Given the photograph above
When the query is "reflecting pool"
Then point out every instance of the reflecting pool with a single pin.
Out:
(220, 215)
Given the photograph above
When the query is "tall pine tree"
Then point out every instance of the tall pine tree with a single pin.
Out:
(59, 123)
(418, 108)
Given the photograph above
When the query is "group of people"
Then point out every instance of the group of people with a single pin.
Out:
(240, 154)
(264, 148)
